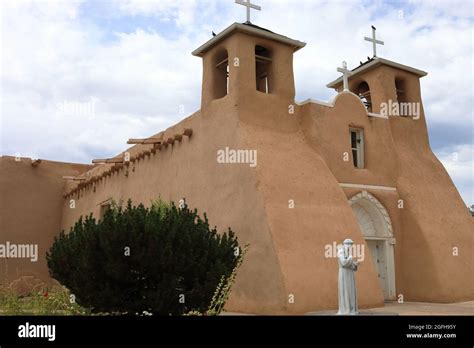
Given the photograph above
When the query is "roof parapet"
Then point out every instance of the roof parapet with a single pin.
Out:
(374, 63)
(248, 29)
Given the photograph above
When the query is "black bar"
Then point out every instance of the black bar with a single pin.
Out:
(262, 330)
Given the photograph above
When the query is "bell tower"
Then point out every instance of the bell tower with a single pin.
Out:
(390, 90)
(380, 82)
(244, 61)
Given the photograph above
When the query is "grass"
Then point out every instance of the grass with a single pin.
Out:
(57, 301)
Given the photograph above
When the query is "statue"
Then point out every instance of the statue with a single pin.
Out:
(346, 280)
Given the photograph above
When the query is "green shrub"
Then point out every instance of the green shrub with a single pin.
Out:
(164, 260)
(161, 207)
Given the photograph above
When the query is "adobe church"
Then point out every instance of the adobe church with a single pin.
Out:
(322, 172)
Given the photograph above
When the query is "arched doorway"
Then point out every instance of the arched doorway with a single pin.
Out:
(376, 227)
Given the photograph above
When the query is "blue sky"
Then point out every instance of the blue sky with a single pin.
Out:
(81, 77)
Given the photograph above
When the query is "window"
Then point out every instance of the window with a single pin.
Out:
(263, 62)
(363, 92)
(400, 87)
(221, 86)
(104, 207)
(357, 147)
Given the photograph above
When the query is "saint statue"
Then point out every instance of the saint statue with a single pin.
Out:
(346, 281)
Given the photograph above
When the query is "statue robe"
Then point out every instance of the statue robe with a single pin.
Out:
(346, 283)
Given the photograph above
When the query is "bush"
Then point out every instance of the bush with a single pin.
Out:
(164, 260)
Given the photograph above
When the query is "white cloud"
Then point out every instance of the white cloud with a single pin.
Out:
(181, 12)
(54, 61)
(167, 9)
(184, 13)
(459, 162)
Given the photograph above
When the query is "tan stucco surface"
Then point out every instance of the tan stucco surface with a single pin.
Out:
(31, 199)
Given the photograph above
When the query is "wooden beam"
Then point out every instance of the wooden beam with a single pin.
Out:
(188, 132)
(178, 137)
(35, 162)
(152, 141)
(144, 141)
(73, 178)
(222, 62)
(263, 58)
(170, 141)
(108, 160)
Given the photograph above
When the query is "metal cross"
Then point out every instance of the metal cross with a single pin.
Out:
(249, 6)
(374, 41)
(345, 77)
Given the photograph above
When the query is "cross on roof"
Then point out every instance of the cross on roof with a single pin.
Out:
(249, 5)
(374, 41)
(346, 73)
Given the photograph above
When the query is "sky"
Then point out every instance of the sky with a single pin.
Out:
(79, 78)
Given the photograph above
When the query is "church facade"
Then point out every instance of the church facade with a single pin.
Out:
(291, 179)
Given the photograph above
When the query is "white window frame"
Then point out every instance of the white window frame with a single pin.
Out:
(359, 149)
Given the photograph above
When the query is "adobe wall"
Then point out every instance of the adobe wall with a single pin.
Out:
(30, 209)
(229, 193)
(326, 129)
(226, 192)
(289, 169)
(286, 255)
(434, 219)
